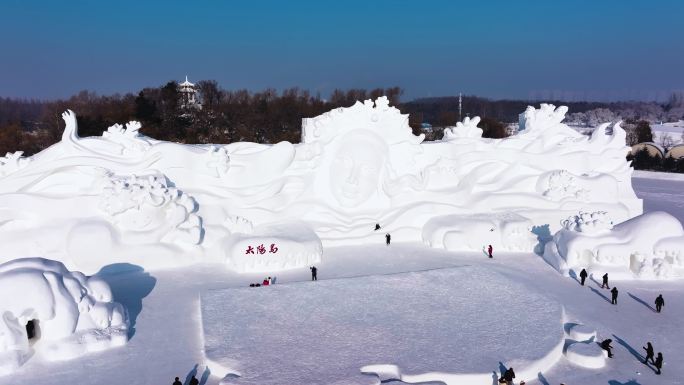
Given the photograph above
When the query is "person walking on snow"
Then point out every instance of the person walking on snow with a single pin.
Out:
(265, 282)
(614, 294)
(388, 238)
(377, 226)
(490, 249)
(508, 376)
(314, 270)
(177, 382)
(649, 352)
(658, 362)
(605, 345)
(583, 276)
(605, 281)
(659, 302)
(194, 381)
(270, 281)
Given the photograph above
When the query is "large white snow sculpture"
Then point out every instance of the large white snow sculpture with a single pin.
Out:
(124, 197)
(70, 314)
(648, 246)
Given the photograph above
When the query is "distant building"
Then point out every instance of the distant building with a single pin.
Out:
(188, 94)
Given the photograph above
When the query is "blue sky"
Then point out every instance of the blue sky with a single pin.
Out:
(601, 50)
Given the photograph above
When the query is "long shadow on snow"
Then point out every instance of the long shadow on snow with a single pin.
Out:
(641, 301)
(542, 379)
(632, 351)
(191, 373)
(629, 382)
(600, 295)
(130, 284)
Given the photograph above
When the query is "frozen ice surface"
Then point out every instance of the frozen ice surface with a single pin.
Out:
(456, 321)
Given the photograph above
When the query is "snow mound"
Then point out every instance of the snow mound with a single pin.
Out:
(429, 337)
(70, 314)
(650, 246)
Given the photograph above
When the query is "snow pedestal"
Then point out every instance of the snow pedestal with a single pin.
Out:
(273, 248)
(72, 314)
(586, 354)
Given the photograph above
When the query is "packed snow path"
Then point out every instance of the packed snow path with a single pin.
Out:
(166, 330)
(459, 320)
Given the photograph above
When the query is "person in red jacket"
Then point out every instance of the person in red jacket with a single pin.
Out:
(265, 283)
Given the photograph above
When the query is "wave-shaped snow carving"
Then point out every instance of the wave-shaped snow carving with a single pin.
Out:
(355, 167)
(648, 246)
(12, 162)
(71, 314)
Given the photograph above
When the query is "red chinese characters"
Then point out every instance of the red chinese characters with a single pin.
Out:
(261, 249)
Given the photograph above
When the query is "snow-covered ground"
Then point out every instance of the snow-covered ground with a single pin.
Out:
(167, 334)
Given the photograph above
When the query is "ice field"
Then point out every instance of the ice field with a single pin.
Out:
(166, 322)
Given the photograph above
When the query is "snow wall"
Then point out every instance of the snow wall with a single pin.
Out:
(125, 197)
(70, 314)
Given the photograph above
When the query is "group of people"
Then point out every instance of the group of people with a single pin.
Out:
(605, 344)
(193, 381)
(267, 281)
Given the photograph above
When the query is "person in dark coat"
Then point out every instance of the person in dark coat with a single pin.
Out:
(490, 249)
(177, 382)
(658, 362)
(614, 294)
(605, 281)
(649, 352)
(314, 270)
(583, 276)
(388, 238)
(605, 345)
(508, 376)
(377, 226)
(194, 381)
(659, 302)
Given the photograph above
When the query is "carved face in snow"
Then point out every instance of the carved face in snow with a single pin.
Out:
(356, 168)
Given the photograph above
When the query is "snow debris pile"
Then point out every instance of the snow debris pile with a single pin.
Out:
(125, 197)
(649, 246)
(51, 313)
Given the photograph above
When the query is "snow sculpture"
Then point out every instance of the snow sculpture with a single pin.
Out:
(648, 246)
(149, 208)
(69, 314)
(12, 162)
(94, 202)
(466, 129)
(507, 231)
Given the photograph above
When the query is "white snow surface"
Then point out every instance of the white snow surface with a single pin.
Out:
(275, 334)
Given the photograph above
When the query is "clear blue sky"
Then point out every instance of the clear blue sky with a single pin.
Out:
(598, 49)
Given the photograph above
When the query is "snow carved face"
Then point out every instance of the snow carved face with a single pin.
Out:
(356, 168)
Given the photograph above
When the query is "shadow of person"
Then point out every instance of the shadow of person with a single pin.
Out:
(573, 275)
(591, 276)
(192, 373)
(542, 379)
(634, 297)
(632, 351)
(629, 382)
(205, 376)
(600, 294)
(130, 284)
